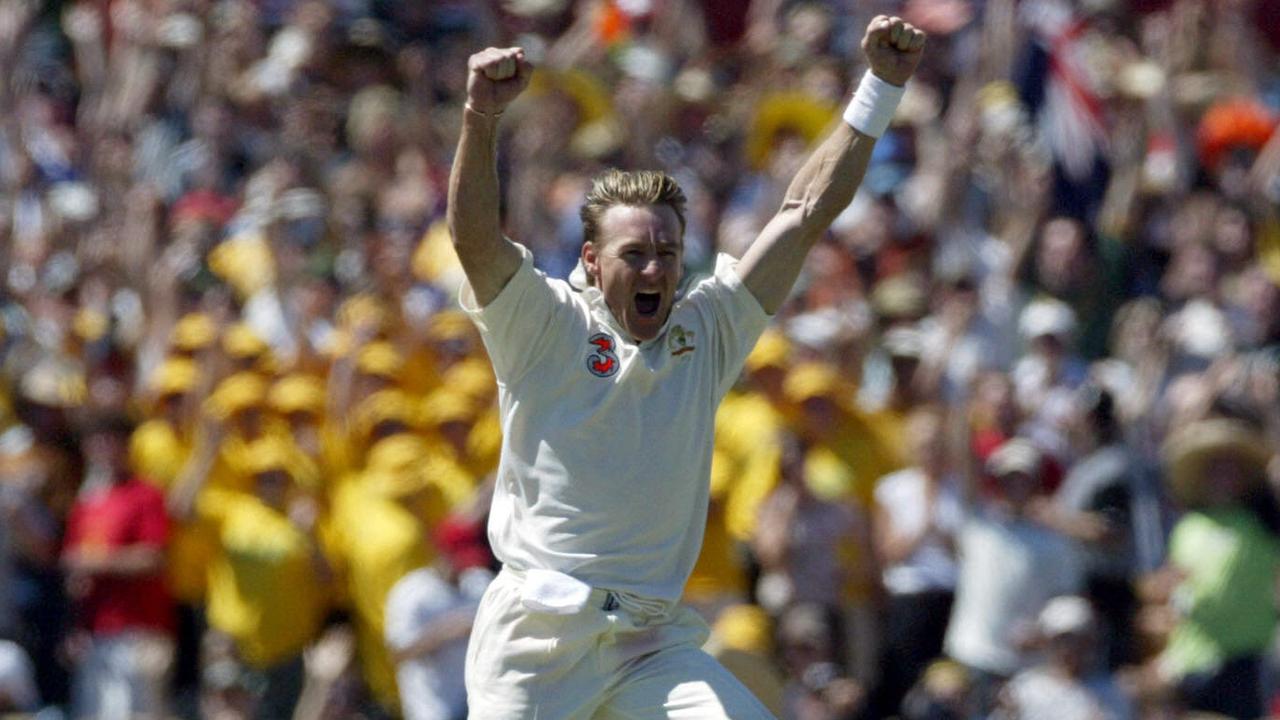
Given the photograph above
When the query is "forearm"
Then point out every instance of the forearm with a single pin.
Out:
(474, 205)
(827, 181)
(181, 501)
(822, 188)
(129, 561)
(473, 182)
(444, 630)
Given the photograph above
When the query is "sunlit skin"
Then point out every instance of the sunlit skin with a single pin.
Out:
(637, 263)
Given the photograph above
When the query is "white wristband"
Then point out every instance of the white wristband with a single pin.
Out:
(873, 105)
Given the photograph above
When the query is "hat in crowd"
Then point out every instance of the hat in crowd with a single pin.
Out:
(380, 359)
(447, 405)
(90, 324)
(193, 331)
(175, 376)
(361, 309)
(1015, 456)
(903, 342)
(236, 394)
(462, 542)
(472, 377)
(1235, 123)
(56, 383)
(785, 111)
(203, 206)
(381, 407)
(771, 350)
(900, 297)
(297, 393)
(1200, 330)
(945, 677)
(449, 325)
(812, 380)
(1066, 615)
(242, 342)
(245, 263)
(434, 260)
(1188, 451)
(746, 628)
(269, 454)
(396, 466)
(1047, 317)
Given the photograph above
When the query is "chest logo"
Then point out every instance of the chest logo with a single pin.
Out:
(680, 341)
(602, 361)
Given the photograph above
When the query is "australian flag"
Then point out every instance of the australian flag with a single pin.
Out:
(1055, 85)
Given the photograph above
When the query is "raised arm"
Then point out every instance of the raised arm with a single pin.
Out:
(826, 182)
(495, 78)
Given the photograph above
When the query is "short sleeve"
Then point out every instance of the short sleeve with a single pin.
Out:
(523, 321)
(739, 318)
(213, 504)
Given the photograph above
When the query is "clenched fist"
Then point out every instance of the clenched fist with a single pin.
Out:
(495, 77)
(893, 48)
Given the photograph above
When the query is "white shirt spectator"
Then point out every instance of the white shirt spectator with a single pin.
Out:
(1039, 694)
(1009, 569)
(431, 685)
(17, 680)
(931, 566)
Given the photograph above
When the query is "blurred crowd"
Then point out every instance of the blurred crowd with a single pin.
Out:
(1009, 451)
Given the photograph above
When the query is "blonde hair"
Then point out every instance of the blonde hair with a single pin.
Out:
(619, 187)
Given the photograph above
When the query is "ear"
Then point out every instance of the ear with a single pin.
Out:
(591, 262)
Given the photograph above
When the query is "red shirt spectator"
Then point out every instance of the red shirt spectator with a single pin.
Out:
(109, 523)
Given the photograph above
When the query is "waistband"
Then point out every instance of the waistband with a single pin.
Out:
(613, 600)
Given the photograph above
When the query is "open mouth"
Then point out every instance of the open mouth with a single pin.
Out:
(647, 303)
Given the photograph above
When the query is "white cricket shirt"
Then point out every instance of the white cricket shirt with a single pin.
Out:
(606, 449)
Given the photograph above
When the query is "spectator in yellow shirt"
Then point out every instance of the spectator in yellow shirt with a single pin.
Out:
(268, 581)
(380, 520)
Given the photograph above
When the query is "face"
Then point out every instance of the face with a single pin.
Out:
(106, 450)
(637, 262)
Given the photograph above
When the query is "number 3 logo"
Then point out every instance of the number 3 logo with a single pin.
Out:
(603, 362)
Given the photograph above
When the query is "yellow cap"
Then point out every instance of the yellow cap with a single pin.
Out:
(447, 405)
(236, 394)
(746, 628)
(362, 309)
(55, 384)
(792, 111)
(268, 454)
(435, 257)
(812, 379)
(175, 376)
(90, 324)
(397, 466)
(194, 331)
(449, 325)
(472, 377)
(382, 406)
(245, 263)
(243, 343)
(297, 393)
(771, 350)
(380, 358)
(997, 94)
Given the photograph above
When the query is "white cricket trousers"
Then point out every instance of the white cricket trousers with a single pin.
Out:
(595, 664)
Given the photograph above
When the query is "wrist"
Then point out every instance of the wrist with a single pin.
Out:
(885, 79)
(873, 105)
(486, 114)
